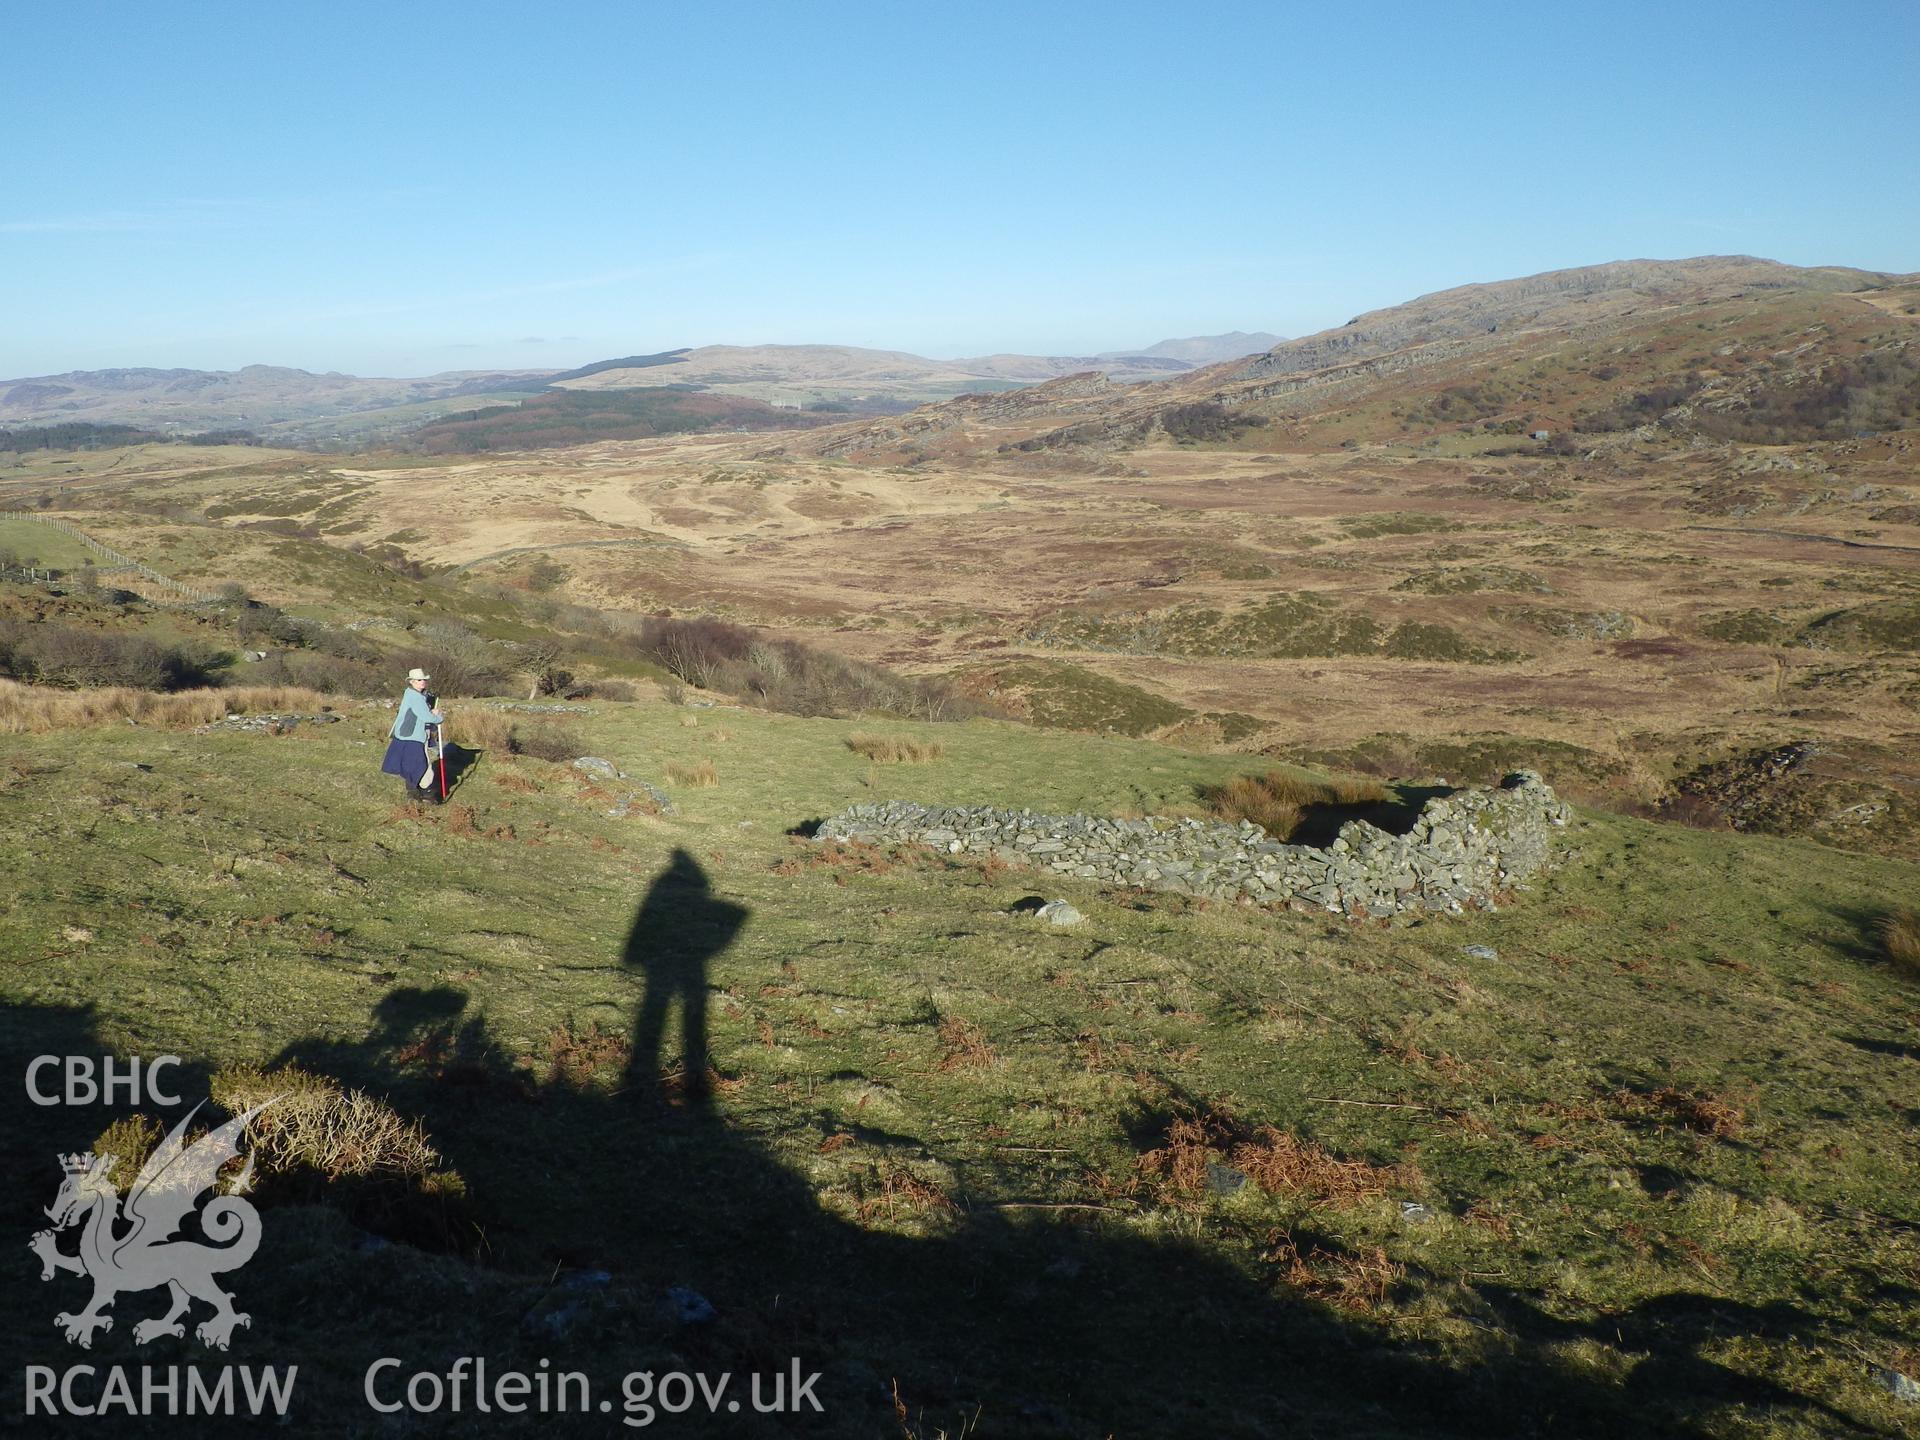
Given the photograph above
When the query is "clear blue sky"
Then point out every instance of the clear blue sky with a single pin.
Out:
(409, 187)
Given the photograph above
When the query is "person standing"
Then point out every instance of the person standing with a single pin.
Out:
(415, 726)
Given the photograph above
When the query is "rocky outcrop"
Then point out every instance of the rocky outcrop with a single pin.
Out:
(1462, 850)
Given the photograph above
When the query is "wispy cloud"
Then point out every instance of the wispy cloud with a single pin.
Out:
(124, 222)
(197, 213)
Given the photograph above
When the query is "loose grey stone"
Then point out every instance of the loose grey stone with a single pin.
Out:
(1058, 912)
(1224, 1179)
(689, 1307)
(1901, 1387)
(1480, 952)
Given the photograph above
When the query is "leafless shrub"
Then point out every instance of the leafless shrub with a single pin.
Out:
(460, 662)
(318, 1124)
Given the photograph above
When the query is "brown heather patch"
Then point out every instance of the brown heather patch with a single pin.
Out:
(576, 1059)
(855, 857)
(1357, 1279)
(1712, 1115)
(1489, 1219)
(1282, 1163)
(1276, 1160)
(518, 784)
(900, 1189)
(464, 821)
(965, 1044)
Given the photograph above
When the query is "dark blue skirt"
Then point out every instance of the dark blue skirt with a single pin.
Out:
(405, 758)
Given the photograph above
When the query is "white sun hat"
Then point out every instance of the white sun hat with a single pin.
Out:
(418, 674)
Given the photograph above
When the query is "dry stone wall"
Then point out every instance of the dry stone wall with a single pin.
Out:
(1463, 849)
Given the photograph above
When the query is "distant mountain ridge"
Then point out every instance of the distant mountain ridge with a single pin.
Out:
(1205, 349)
(292, 406)
(274, 401)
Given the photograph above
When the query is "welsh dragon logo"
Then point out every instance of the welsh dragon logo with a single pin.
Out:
(147, 1255)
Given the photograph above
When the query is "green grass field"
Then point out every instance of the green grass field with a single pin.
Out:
(1664, 1140)
(33, 544)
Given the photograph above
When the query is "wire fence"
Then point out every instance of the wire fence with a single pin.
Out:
(116, 562)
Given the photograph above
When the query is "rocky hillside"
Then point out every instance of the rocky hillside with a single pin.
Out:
(1796, 354)
(1555, 300)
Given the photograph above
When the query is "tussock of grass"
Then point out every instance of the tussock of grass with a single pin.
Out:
(1277, 800)
(700, 776)
(895, 749)
(36, 709)
(1900, 939)
(480, 730)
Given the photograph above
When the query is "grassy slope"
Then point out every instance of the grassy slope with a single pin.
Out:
(252, 899)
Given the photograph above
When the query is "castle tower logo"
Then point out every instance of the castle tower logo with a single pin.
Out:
(123, 1251)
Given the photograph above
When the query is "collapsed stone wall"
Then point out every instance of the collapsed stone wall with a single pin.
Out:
(1463, 848)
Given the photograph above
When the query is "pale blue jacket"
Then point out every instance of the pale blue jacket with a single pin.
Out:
(415, 715)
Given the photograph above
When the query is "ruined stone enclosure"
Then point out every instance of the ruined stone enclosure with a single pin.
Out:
(1463, 848)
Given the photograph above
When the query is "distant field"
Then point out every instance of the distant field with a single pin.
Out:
(33, 544)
